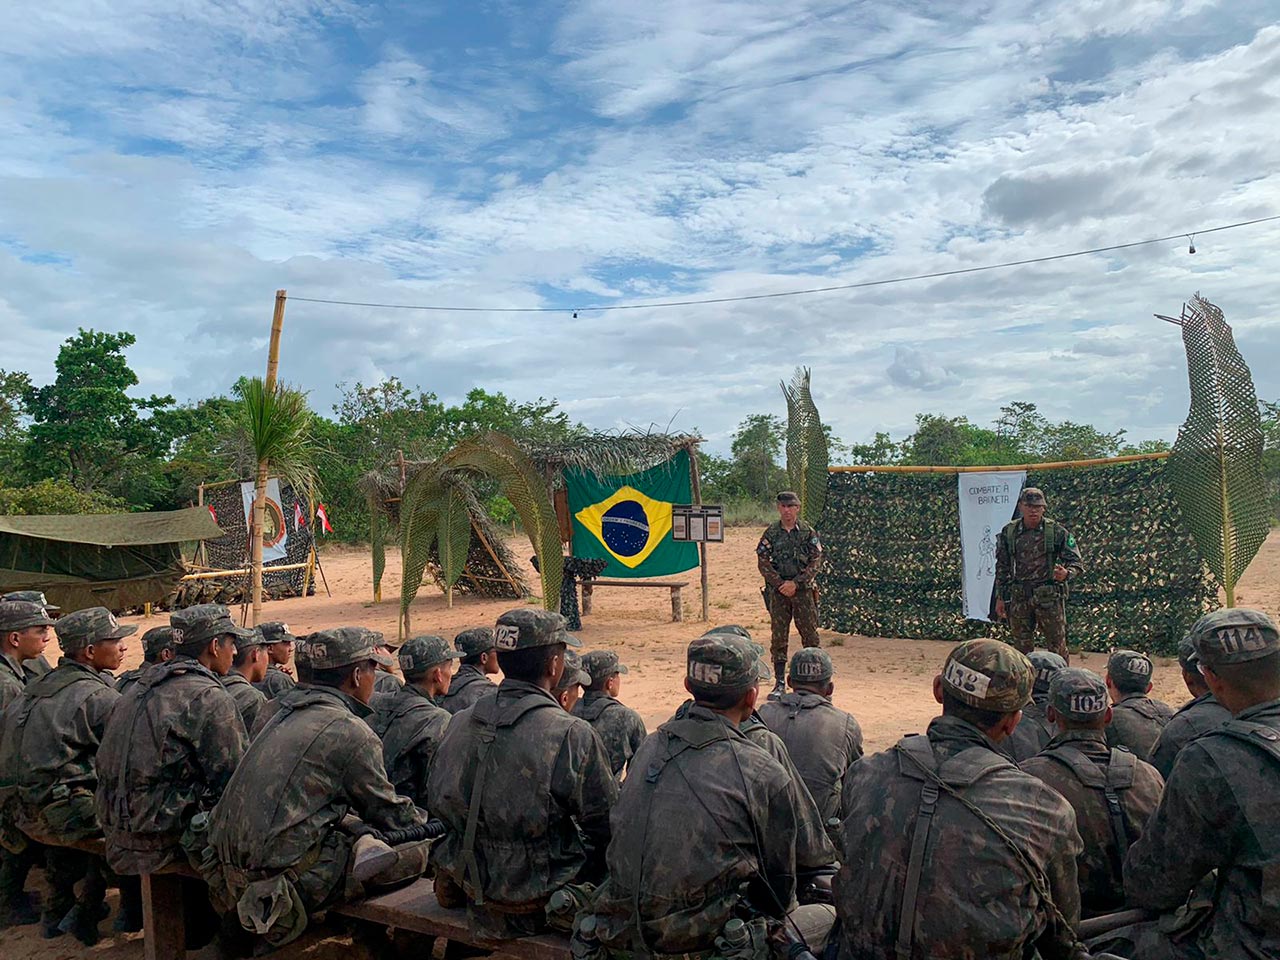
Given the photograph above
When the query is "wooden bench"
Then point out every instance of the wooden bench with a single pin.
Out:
(675, 586)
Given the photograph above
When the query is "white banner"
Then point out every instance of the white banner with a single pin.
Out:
(987, 503)
(275, 534)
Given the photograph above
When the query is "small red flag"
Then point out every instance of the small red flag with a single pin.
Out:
(212, 512)
(299, 521)
(323, 516)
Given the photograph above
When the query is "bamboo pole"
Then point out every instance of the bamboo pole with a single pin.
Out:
(260, 494)
(240, 572)
(695, 481)
(1057, 465)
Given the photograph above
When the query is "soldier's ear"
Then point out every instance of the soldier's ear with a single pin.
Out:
(937, 688)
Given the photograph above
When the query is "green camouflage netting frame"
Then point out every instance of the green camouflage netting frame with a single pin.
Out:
(893, 557)
(231, 551)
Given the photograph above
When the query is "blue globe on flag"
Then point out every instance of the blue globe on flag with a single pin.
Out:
(625, 528)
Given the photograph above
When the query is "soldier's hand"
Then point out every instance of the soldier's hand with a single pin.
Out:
(1059, 572)
(1000, 613)
(788, 588)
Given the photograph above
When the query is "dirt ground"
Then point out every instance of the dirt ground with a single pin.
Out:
(884, 683)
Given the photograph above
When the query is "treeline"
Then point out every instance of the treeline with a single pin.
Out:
(84, 444)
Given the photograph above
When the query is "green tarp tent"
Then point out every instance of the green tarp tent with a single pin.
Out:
(115, 560)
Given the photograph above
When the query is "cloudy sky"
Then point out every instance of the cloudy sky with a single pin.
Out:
(165, 167)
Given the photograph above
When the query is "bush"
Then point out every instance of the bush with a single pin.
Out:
(55, 497)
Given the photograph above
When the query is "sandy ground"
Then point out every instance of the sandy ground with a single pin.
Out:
(884, 683)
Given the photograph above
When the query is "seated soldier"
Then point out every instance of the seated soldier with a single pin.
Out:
(706, 826)
(169, 748)
(822, 740)
(1034, 730)
(51, 737)
(282, 833)
(157, 647)
(408, 721)
(618, 726)
(1219, 811)
(479, 663)
(951, 850)
(569, 687)
(248, 668)
(279, 650)
(1136, 719)
(388, 680)
(524, 787)
(301, 663)
(1200, 715)
(1112, 791)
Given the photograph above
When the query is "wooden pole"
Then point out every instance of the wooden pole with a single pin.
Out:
(199, 557)
(1057, 465)
(260, 495)
(696, 484)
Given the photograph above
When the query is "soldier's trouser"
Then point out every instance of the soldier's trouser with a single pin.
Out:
(814, 922)
(782, 610)
(14, 868)
(65, 868)
(1026, 614)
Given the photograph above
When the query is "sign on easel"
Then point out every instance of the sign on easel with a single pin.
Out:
(697, 523)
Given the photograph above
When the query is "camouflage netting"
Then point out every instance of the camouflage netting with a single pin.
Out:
(231, 552)
(893, 557)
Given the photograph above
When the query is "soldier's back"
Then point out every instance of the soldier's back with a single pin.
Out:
(276, 682)
(249, 699)
(1031, 735)
(466, 688)
(822, 740)
(411, 729)
(1136, 722)
(1201, 715)
(619, 727)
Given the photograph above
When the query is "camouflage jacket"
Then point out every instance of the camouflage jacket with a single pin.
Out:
(1136, 722)
(130, 677)
(619, 727)
(975, 897)
(170, 746)
(272, 707)
(276, 682)
(468, 685)
(671, 889)
(410, 726)
(249, 699)
(1031, 735)
(1029, 564)
(543, 814)
(52, 732)
(822, 740)
(13, 678)
(1201, 715)
(794, 554)
(1218, 812)
(387, 683)
(1076, 764)
(314, 763)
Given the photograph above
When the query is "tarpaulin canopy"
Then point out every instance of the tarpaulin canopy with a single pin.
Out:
(116, 560)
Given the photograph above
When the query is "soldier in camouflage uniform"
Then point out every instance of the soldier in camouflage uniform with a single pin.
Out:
(822, 740)
(1035, 560)
(40, 665)
(388, 680)
(25, 630)
(951, 850)
(568, 688)
(281, 831)
(789, 556)
(1112, 792)
(1136, 719)
(157, 647)
(47, 755)
(408, 721)
(168, 750)
(279, 649)
(1200, 715)
(247, 671)
(1218, 811)
(524, 788)
(671, 891)
(1034, 730)
(301, 663)
(479, 663)
(619, 727)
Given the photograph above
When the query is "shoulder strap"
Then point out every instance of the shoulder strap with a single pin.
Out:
(1010, 543)
(1118, 776)
(1050, 546)
(1263, 737)
(921, 751)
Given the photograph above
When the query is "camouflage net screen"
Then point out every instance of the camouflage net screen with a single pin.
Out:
(231, 552)
(892, 566)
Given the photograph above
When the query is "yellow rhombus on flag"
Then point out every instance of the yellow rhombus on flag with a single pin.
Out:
(636, 529)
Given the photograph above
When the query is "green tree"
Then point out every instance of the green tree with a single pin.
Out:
(55, 497)
(954, 441)
(85, 426)
(881, 451)
(757, 445)
(13, 430)
(1270, 414)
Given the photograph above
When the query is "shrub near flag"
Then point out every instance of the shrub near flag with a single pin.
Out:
(626, 521)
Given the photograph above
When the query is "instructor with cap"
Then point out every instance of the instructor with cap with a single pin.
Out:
(1036, 558)
(789, 555)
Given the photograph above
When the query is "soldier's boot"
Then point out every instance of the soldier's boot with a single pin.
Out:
(369, 857)
(91, 907)
(779, 679)
(129, 918)
(17, 907)
(407, 862)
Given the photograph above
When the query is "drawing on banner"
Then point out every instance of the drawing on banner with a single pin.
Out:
(275, 535)
(987, 503)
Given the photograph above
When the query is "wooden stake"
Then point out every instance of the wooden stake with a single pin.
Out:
(695, 483)
(260, 493)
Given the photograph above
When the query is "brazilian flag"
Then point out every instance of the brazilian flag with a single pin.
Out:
(627, 520)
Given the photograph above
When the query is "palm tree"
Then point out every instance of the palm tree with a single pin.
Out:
(275, 425)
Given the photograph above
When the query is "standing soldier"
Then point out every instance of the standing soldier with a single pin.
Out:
(1035, 559)
(1200, 715)
(789, 555)
(619, 727)
(279, 649)
(479, 663)
(1137, 719)
(40, 665)
(1112, 791)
